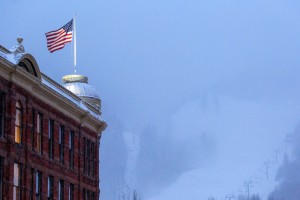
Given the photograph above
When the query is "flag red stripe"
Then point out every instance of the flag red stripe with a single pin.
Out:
(49, 34)
(57, 39)
(58, 48)
(57, 44)
(57, 35)
(61, 38)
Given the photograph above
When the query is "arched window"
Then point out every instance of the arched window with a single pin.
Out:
(18, 123)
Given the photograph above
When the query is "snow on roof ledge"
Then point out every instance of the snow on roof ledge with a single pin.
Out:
(18, 57)
(71, 97)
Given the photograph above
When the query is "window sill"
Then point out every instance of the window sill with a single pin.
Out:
(19, 144)
(3, 139)
(37, 153)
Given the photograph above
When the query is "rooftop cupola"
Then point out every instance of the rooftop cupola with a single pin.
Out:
(78, 84)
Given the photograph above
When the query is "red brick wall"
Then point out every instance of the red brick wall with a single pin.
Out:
(28, 158)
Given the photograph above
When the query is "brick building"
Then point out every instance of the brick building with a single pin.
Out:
(49, 136)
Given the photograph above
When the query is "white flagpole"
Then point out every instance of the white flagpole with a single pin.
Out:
(74, 32)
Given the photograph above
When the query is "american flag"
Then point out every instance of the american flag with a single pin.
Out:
(57, 39)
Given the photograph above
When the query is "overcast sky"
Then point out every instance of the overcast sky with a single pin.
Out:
(154, 62)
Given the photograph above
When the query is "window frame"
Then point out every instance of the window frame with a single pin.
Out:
(61, 189)
(33, 130)
(18, 123)
(61, 143)
(84, 156)
(92, 159)
(32, 183)
(39, 134)
(71, 191)
(51, 138)
(92, 195)
(1, 176)
(17, 183)
(2, 113)
(38, 185)
(50, 187)
(71, 149)
(88, 157)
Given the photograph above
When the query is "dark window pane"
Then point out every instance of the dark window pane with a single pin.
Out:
(51, 138)
(2, 113)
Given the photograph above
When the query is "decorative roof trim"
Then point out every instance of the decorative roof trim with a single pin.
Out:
(32, 66)
(4, 50)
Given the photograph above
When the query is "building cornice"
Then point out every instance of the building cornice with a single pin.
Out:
(75, 108)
